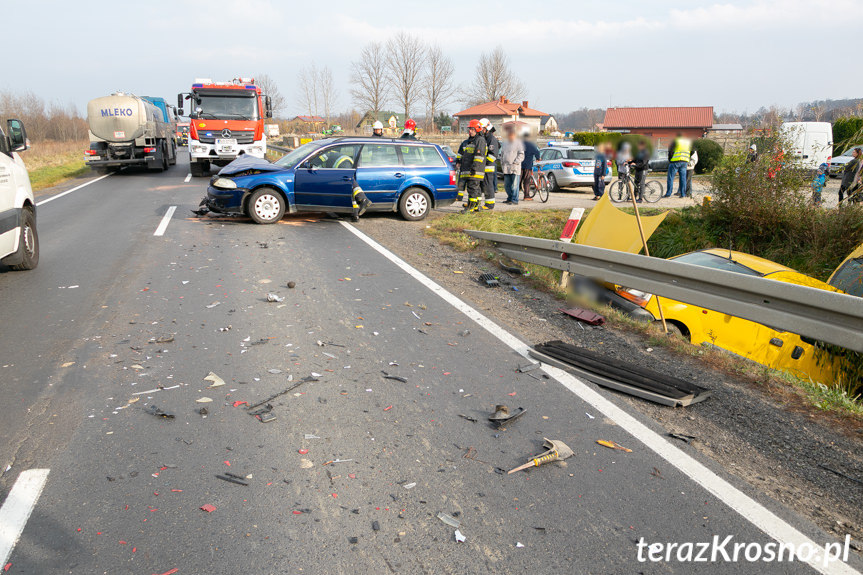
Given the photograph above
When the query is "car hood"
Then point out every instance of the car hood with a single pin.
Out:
(247, 163)
(841, 160)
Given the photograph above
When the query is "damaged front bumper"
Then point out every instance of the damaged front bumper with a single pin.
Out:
(224, 201)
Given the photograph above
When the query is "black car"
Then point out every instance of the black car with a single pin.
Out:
(659, 161)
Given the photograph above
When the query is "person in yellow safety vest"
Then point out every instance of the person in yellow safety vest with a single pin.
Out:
(678, 157)
(378, 129)
(489, 183)
(472, 158)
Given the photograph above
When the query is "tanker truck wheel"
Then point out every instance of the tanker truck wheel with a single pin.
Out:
(164, 156)
(173, 160)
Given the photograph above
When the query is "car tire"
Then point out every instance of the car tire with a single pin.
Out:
(173, 160)
(414, 204)
(552, 183)
(266, 206)
(28, 243)
(674, 330)
(197, 169)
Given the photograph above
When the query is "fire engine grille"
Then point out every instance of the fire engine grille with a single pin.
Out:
(242, 137)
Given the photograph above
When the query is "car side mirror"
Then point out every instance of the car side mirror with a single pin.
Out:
(17, 136)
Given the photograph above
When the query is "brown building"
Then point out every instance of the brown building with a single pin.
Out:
(660, 124)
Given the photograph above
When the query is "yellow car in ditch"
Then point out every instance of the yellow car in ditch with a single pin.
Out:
(780, 350)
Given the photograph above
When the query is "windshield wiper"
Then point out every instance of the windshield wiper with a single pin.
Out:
(242, 117)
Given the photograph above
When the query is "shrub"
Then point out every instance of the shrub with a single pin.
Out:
(594, 138)
(844, 132)
(709, 155)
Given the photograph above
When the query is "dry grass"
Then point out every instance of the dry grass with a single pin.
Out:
(51, 162)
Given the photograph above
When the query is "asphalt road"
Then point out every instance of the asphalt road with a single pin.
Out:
(145, 318)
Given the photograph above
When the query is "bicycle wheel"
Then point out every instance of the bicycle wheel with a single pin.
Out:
(530, 191)
(542, 189)
(619, 192)
(653, 191)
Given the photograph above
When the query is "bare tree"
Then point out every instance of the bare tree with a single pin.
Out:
(493, 79)
(307, 84)
(405, 58)
(269, 88)
(438, 87)
(369, 78)
(818, 109)
(327, 91)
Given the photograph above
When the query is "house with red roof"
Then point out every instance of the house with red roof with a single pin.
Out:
(502, 110)
(660, 123)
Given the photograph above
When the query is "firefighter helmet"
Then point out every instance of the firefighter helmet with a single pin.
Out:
(484, 123)
(410, 124)
(475, 124)
(378, 125)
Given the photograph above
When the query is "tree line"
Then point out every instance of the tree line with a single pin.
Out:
(43, 121)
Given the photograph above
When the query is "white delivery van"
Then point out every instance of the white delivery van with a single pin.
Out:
(19, 243)
(811, 143)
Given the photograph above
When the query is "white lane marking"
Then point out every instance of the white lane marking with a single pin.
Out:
(188, 178)
(17, 508)
(751, 510)
(166, 219)
(75, 189)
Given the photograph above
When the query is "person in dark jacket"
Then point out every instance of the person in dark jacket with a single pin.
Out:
(600, 167)
(531, 153)
(489, 183)
(410, 130)
(641, 163)
(472, 165)
(850, 172)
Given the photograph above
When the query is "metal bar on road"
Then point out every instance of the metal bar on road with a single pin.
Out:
(831, 317)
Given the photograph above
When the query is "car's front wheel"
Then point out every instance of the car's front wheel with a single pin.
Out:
(414, 204)
(266, 206)
(28, 243)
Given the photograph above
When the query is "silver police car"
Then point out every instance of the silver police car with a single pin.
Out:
(567, 164)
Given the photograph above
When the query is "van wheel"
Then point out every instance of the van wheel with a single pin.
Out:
(28, 243)
(266, 206)
(414, 204)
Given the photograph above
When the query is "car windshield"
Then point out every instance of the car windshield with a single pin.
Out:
(231, 107)
(849, 278)
(847, 153)
(580, 154)
(715, 262)
(291, 159)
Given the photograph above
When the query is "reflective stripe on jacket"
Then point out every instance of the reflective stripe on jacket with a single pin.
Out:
(473, 157)
(492, 153)
(682, 150)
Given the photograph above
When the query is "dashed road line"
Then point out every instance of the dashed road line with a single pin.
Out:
(75, 189)
(166, 219)
(188, 178)
(748, 508)
(17, 508)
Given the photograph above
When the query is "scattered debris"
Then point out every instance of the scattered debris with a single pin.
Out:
(68, 364)
(468, 417)
(683, 437)
(215, 379)
(163, 339)
(204, 400)
(376, 526)
(310, 436)
(489, 280)
(527, 368)
(510, 269)
(459, 538)
(224, 329)
(840, 474)
(274, 371)
(613, 445)
(519, 544)
(208, 508)
(281, 393)
(204, 411)
(464, 333)
(619, 375)
(503, 416)
(292, 285)
(410, 485)
(449, 520)
(353, 540)
(337, 461)
(154, 410)
(589, 415)
(214, 304)
(273, 298)
(231, 478)
(395, 377)
(587, 316)
(238, 403)
(556, 451)
(657, 473)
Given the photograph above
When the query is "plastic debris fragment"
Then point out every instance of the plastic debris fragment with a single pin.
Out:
(208, 508)
(273, 298)
(215, 380)
(459, 538)
(449, 520)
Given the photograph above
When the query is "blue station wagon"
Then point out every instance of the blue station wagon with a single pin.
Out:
(411, 177)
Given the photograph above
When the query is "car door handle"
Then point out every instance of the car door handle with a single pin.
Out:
(399, 175)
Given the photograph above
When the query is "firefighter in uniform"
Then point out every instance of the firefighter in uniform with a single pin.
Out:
(472, 158)
(378, 130)
(489, 182)
(410, 130)
(359, 202)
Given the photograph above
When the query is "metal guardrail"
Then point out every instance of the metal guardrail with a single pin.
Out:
(278, 148)
(823, 315)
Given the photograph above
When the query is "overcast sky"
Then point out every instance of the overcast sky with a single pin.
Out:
(736, 55)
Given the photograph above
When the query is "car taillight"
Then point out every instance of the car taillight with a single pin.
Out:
(149, 150)
(571, 164)
(91, 153)
(452, 177)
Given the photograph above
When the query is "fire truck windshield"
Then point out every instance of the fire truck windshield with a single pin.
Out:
(226, 107)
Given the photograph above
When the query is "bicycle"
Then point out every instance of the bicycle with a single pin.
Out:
(538, 184)
(620, 190)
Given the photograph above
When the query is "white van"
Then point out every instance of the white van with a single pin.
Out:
(811, 143)
(19, 243)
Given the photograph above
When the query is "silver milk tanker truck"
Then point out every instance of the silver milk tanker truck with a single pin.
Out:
(127, 130)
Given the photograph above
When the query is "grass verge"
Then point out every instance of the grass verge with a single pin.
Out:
(547, 224)
(48, 176)
(50, 163)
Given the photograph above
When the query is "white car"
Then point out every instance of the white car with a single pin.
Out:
(567, 164)
(19, 243)
(837, 164)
